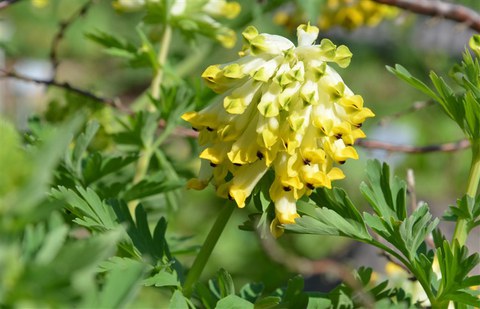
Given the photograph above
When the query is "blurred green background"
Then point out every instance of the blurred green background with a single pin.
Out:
(418, 43)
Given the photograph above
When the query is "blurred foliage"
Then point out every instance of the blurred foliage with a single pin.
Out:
(69, 237)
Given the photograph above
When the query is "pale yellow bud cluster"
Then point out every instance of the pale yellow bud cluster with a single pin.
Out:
(285, 109)
(352, 14)
(196, 16)
(349, 14)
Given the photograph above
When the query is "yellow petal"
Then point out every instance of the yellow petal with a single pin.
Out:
(286, 209)
(244, 180)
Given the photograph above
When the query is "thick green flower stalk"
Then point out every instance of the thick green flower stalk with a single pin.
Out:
(191, 16)
(284, 109)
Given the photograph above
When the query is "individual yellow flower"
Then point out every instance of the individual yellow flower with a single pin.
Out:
(197, 16)
(285, 109)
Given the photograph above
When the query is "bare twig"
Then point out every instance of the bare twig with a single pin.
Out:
(447, 147)
(436, 8)
(415, 107)
(371, 144)
(411, 189)
(63, 27)
(308, 267)
(66, 86)
(6, 3)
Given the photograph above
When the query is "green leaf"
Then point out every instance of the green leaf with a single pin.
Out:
(225, 283)
(163, 278)
(472, 114)
(268, 302)
(96, 166)
(116, 262)
(403, 74)
(44, 159)
(90, 210)
(120, 287)
(148, 187)
(385, 196)
(337, 216)
(309, 225)
(416, 228)
(148, 49)
(178, 301)
(53, 241)
(109, 41)
(139, 131)
(233, 302)
(450, 103)
(466, 298)
(152, 247)
(251, 291)
(208, 299)
(81, 145)
(455, 265)
(319, 303)
(294, 296)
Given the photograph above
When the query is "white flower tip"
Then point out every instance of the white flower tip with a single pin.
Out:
(307, 34)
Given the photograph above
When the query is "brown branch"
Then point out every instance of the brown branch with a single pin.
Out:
(66, 86)
(447, 147)
(455, 12)
(370, 144)
(63, 27)
(6, 3)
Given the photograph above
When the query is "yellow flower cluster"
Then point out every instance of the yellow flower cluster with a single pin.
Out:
(352, 14)
(284, 109)
(192, 16)
(349, 14)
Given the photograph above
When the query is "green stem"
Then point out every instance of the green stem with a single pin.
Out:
(461, 229)
(474, 177)
(140, 172)
(425, 284)
(146, 154)
(207, 248)
(161, 59)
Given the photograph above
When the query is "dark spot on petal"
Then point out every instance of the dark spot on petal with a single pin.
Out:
(341, 162)
(237, 164)
(306, 161)
(259, 155)
(310, 186)
(358, 125)
(355, 105)
(209, 129)
(213, 164)
(194, 129)
(287, 189)
(338, 136)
